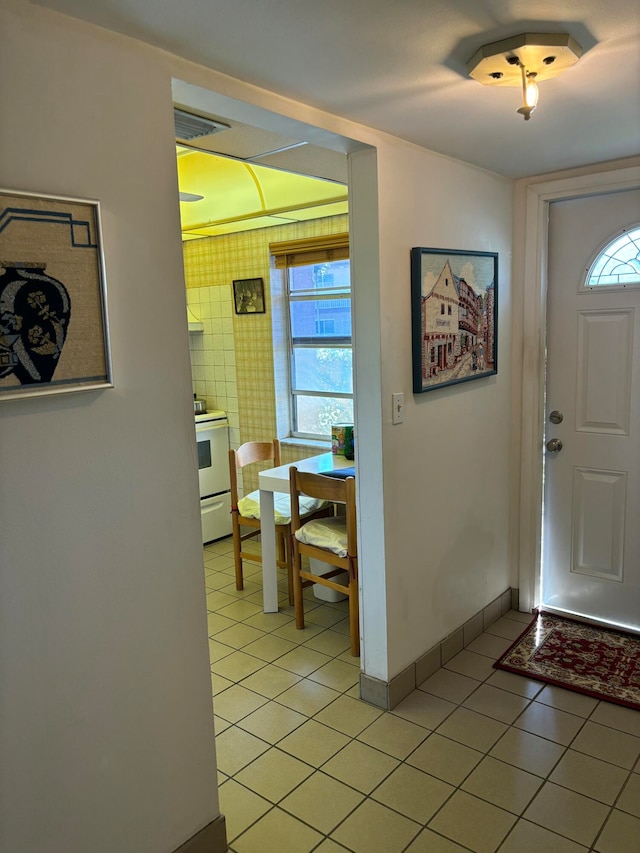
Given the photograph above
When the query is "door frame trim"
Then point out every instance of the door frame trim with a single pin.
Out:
(532, 199)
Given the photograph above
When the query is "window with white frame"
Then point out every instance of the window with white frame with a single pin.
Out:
(318, 296)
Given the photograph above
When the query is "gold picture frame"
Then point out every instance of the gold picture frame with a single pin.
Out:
(54, 334)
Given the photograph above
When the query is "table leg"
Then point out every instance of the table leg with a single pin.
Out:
(268, 538)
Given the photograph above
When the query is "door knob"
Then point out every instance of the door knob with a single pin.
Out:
(554, 445)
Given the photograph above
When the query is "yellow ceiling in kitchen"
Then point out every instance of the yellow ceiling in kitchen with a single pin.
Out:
(239, 196)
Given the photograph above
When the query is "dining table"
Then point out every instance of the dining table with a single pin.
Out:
(277, 480)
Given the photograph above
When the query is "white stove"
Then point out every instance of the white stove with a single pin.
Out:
(212, 439)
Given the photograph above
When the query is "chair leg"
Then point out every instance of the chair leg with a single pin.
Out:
(289, 560)
(237, 547)
(297, 585)
(281, 547)
(354, 617)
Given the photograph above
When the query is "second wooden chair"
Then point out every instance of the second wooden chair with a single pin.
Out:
(330, 541)
(245, 511)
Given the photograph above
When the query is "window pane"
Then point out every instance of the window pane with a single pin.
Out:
(312, 318)
(320, 337)
(318, 276)
(316, 415)
(618, 263)
(322, 369)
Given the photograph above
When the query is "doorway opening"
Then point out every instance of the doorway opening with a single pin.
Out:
(250, 180)
(326, 156)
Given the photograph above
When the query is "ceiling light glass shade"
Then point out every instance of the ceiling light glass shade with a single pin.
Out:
(190, 197)
(529, 93)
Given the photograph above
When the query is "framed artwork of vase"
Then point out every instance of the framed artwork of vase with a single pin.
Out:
(53, 314)
(454, 311)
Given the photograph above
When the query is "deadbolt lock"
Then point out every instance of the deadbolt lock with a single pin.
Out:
(556, 417)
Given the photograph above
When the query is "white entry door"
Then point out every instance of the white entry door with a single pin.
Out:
(591, 528)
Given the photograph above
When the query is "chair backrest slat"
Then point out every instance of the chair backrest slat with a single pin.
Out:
(247, 454)
(328, 489)
(324, 488)
(258, 451)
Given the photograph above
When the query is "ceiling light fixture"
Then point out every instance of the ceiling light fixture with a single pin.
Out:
(524, 61)
(190, 197)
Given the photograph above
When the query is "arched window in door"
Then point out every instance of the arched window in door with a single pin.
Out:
(617, 265)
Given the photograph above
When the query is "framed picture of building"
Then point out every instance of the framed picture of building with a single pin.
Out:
(248, 295)
(454, 315)
(53, 315)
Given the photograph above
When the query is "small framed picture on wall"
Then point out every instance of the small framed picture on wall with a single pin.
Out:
(248, 295)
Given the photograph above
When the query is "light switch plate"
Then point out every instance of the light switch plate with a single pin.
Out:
(397, 401)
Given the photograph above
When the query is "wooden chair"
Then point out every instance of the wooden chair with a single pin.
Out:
(331, 541)
(245, 512)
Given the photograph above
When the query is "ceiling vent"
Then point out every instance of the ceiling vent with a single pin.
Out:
(189, 126)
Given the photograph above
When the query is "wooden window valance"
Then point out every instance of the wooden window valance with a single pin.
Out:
(312, 250)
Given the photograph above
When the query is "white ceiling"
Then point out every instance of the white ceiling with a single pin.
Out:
(400, 66)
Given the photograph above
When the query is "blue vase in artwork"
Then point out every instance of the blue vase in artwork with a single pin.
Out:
(35, 311)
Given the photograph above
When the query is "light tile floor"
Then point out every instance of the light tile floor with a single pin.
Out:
(475, 759)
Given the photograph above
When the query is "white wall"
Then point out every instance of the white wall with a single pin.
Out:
(447, 467)
(106, 739)
(105, 729)
(366, 306)
(442, 478)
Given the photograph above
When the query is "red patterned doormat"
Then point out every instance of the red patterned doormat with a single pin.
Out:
(597, 661)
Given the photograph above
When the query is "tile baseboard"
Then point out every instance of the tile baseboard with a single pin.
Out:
(210, 839)
(387, 694)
